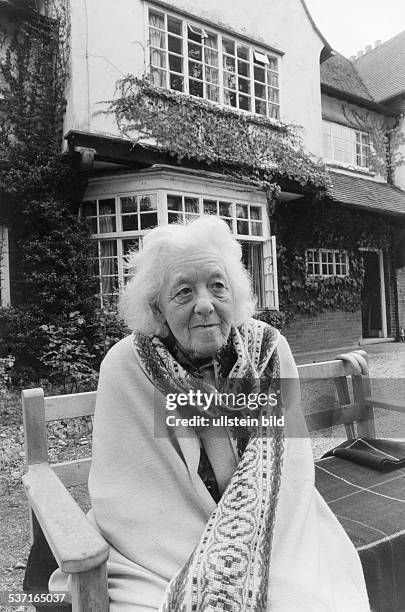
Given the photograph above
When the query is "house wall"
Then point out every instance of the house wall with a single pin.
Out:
(339, 111)
(109, 44)
(399, 173)
(328, 330)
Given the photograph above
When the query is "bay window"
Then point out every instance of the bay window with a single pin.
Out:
(118, 224)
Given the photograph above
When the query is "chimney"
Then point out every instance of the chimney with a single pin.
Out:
(352, 58)
(368, 48)
(377, 43)
(360, 53)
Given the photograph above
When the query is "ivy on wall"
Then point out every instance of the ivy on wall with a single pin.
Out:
(324, 224)
(50, 247)
(258, 150)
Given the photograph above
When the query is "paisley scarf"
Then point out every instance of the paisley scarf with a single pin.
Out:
(229, 568)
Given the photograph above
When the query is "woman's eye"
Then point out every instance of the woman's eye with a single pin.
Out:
(218, 286)
(183, 292)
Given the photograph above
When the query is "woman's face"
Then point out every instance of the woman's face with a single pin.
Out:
(196, 302)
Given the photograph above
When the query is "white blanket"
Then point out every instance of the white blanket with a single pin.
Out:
(151, 506)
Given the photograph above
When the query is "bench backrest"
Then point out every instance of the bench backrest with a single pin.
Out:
(39, 410)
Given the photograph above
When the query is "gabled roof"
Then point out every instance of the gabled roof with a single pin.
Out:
(339, 73)
(383, 68)
(367, 194)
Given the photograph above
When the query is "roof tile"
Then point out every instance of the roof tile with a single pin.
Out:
(383, 68)
(338, 72)
(365, 193)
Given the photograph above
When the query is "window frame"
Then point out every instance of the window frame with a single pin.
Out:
(162, 210)
(272, 87)
(355, 141)
(317, 260)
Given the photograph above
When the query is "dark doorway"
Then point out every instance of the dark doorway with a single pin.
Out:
(371, 296)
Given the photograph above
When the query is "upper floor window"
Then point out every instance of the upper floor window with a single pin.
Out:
(326, 262)
(345, 145)
(195, 60)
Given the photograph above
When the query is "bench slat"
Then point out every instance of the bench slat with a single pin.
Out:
(322, 419)
(73, 473)
(59, 407)
(374, 403)
(326, 369)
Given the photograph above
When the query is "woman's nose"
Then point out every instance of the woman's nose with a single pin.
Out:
(203, 305)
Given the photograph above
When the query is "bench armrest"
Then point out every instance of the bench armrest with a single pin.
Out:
(376, 403)
(75, 543)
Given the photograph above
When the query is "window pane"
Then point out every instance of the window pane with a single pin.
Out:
(157, 20)
(174, 202)
(129, 204)
(195, 70)
(210, 57)
(230, 98)
(132, 244)
(194, 33)
(229, 80)
(92, 223)
(108, 248)
(257, 228)
(243, 52)
(147, 203)
(195, 51)
(228, 46)
(174, 25)
(211, 75)
(158, 58)
(107, 224)
(259, 74)
(175, 217)
(196, 88)
(148, 220)
(244, 102)
(175, 63)
(225, 209)
(191, 205)
(242, 211)
(107, 207)
(89, 209)
(212, 93)
(242, 227)
(109, 266)
(229, 63)
(158, 78)
(244, 86)
(260, 107)
(175, 45)
(129, 222)
(210, 207)
(243, 69)
(260, 90)
(157, 38)
(255, 212)
(176, 82)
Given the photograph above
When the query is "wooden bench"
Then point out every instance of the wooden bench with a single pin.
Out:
(78, 548)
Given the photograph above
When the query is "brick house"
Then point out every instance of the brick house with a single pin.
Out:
(353, 111)
(247, 62)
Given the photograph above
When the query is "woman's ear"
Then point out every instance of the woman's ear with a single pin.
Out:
(160, 319)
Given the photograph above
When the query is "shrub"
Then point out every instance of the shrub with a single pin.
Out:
(275, 318)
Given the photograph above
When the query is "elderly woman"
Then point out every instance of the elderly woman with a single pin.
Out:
(200, 518)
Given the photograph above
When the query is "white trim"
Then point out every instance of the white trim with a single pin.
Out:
(254, 54)
(382, 294)
(275, 275)
(4, 266)
(383, 303)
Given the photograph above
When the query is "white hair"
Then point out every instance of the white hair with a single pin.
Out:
(159, 246)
